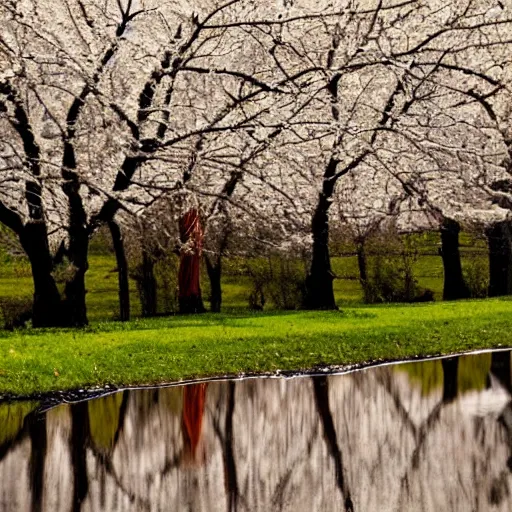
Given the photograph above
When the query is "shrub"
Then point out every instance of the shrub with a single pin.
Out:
(476, 276)
(166, 274)
(287, 287)
(389, 281)
(280, 280)
(258, 270)
(391, 275)
(257, 298)
(16, 311)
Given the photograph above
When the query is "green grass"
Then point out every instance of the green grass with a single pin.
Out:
(168, 349)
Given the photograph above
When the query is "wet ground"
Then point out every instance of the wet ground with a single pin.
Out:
(423, 436)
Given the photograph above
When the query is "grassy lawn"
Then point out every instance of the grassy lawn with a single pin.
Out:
(168, 349)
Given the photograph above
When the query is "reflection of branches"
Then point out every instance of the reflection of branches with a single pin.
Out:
(284, 485)
(450, 370)
(278, 496)
(230, 474)
(105, 459)
(322, 403)
(108, 466)
(384, 379)
(81, 441)
(122, 416)
(423, 432)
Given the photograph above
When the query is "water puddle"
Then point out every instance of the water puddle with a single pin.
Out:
(430, 436)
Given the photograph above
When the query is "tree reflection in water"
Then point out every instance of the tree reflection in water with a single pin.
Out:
(428, 436)
(194, 396)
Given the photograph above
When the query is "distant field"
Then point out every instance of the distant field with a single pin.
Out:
(101, 279)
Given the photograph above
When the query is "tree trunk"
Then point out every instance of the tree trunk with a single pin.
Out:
(362, 264)
(78, 248)
(214, 269)
(46, 311)
(454, 285)
(75, 306)
(499, 237)
(319, 282)
(147, 285)
(122, 272)
(191, 234)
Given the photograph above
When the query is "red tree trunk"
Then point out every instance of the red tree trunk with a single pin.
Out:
(191, 235)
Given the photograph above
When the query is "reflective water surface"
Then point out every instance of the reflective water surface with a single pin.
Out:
(430, 436)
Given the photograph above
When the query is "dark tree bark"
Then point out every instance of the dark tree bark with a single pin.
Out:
(362, 264)
(46, 309)
(450, 378)
(122, 272)
(47, 306)
(319, 282)
(214, 269)
(191, 233)
(75, 306)
(146, 283)
(454, 285)
(75, 291)
(78, 248)
(38, 439)
(499, 238)
(79, 442)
